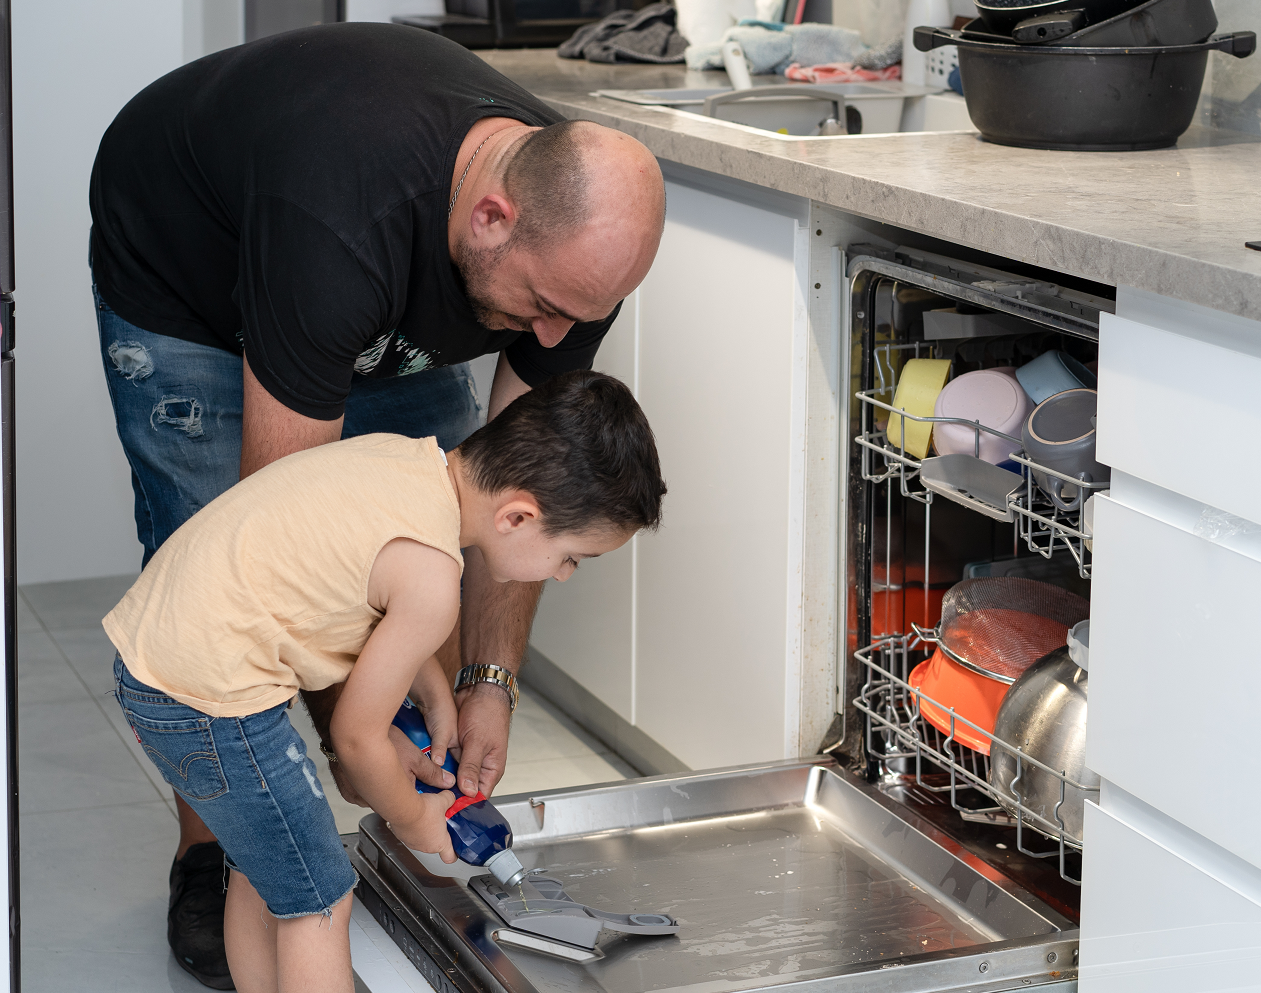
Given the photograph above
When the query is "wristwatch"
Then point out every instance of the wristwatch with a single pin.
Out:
(497, 674)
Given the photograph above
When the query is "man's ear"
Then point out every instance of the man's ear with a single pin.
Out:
(515, 512)
(492, 220)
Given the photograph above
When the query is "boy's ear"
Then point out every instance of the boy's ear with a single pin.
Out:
(516, 510)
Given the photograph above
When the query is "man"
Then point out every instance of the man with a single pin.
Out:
(307, 238)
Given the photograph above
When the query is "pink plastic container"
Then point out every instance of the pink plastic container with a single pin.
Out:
(992, 396)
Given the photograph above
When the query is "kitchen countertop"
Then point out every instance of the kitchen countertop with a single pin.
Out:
(1172, 222)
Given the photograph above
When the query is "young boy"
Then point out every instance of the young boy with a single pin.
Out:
(342, 563)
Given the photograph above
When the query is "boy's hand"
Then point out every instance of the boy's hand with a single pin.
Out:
(417, 764)
(427, 832)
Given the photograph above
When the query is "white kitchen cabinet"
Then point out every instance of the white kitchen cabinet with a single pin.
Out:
(1163, 912)
(695, 635)
(1177, 407)
(585, 625)
(719, 591)
(1174, 682)
(1171, 896)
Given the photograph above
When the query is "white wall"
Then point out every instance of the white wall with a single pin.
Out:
(211, 25)
(75, 63)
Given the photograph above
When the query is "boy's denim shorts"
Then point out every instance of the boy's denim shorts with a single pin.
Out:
(250, 780)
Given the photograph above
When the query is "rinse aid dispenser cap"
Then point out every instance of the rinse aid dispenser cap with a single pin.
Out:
(506, 867)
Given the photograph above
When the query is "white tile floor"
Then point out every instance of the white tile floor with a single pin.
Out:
(98, 827)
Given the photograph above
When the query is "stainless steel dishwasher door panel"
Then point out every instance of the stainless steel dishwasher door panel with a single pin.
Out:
(825, 885)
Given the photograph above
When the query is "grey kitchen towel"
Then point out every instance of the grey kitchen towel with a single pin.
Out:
(645, 35)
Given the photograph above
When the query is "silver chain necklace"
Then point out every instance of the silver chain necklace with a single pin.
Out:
(464, 175)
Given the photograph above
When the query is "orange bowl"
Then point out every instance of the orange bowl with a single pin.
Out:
(892, 611)
(973, 697)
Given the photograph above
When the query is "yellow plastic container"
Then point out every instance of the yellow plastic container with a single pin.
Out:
(918, 386)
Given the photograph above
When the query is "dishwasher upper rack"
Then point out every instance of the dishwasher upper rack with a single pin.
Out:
(1040, 524)
(897, 730)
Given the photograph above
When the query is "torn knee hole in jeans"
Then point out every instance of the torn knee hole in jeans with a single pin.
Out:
(131, 359)
(182, 413)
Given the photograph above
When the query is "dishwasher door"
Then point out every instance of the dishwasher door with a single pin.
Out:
(791, 875)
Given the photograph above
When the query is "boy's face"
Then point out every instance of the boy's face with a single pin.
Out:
(521, 552)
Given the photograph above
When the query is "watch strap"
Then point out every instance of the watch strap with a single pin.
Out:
(486, 673)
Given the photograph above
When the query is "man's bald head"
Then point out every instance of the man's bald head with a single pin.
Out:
(564, 225)
(569, 175)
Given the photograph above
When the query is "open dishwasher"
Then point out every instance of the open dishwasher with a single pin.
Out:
(891, 864)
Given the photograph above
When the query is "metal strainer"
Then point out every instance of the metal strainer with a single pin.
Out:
(1000, 626)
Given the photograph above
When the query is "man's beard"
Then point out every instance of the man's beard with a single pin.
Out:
(476, 269)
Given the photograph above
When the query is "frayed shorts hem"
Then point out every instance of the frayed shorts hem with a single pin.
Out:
(326, 912)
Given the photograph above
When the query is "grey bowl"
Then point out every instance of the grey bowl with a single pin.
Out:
(1044, 715)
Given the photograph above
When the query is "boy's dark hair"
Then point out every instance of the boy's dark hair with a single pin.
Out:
(581, 446)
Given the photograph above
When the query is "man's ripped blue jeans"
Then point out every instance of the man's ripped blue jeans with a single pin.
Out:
(177, 405)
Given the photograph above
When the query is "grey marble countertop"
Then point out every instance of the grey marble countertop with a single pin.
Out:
(1172, 222)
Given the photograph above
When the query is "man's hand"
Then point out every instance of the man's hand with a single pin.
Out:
(484, 719)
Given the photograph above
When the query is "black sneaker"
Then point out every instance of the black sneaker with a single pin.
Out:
(194, 918)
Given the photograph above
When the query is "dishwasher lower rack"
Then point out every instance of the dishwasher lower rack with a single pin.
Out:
(785, 875)
(896, 732)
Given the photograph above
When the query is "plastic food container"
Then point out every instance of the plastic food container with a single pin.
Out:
(996, 399)
(918, 388)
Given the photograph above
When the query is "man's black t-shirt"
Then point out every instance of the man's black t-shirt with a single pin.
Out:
(289, 197)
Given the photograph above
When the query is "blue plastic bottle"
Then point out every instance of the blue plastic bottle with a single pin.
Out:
(479, 833)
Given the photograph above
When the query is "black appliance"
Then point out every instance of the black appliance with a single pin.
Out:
(514, 23)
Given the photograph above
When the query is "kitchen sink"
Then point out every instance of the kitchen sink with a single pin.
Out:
(795, 110)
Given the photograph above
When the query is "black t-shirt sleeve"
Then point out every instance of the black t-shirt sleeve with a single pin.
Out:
(308, 308)
(536, 364)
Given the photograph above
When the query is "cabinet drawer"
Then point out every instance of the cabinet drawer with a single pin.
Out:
(1174, 681)
(1153, 921)
(1180, 413)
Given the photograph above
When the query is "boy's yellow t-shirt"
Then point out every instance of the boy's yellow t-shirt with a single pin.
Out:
(263, 592)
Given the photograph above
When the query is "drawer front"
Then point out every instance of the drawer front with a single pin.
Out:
(1175, 684)
(1154, 922)
(1181, 413)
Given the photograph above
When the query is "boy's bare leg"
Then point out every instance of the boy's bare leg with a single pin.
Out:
(193, 830)
(314, 952)
(249, 934)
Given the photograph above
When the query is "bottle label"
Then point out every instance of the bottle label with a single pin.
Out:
(462, 802)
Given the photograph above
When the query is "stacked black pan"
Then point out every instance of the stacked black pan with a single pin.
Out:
(1090, 75)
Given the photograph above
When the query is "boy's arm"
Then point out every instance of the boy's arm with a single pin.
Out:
(418, 589)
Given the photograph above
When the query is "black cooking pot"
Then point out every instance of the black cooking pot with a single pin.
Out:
(1000, 16)
(1083, 99)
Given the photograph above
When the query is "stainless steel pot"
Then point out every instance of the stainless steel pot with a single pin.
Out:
(1044, 715)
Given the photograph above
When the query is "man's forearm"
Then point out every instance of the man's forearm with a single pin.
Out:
(320, 704)
(495, 617)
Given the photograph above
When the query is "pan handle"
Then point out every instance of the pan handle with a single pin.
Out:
(927, 38)
(1240, 44)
